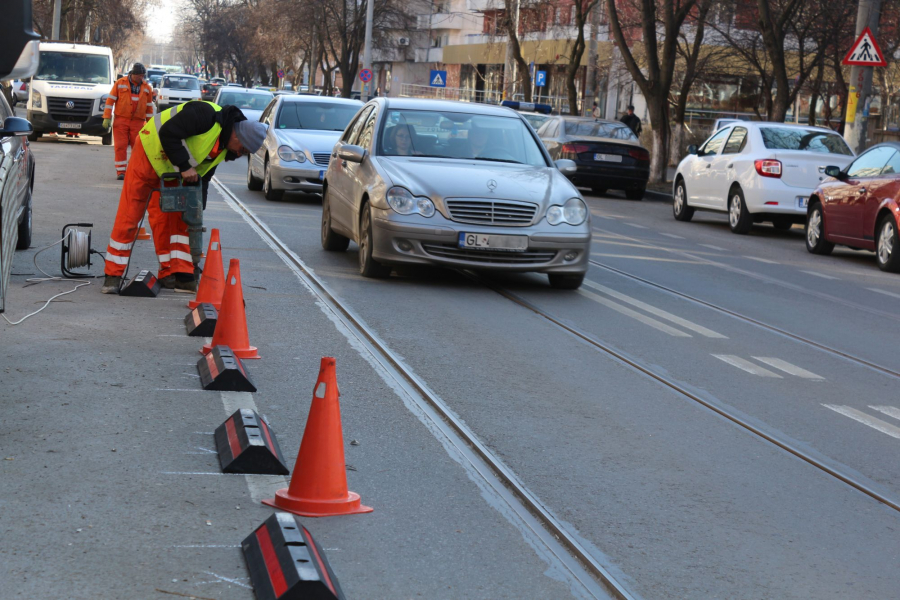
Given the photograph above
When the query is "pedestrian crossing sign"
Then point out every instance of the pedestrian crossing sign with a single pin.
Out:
(865, 52)
(438, 79)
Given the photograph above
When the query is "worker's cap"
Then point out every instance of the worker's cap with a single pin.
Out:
(251, 134)
(138, 69)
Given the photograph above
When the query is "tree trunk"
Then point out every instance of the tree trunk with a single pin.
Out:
(816, 93)
(572, 71)
(676, 147)
(659, 150)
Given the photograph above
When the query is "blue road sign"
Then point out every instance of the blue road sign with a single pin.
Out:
(540, 78)
(438, 79)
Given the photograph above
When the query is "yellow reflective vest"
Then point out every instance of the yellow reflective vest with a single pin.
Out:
(198, 146)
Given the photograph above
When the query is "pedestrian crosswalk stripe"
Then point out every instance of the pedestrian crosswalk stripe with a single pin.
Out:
(861, 417)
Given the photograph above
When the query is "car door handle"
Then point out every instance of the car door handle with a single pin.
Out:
(708, 165)
(730, 165)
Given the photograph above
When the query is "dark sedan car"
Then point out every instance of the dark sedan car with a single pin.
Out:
(859, 207)
(16, 183)
(608, 154)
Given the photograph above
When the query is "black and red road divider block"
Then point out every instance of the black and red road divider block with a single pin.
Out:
(247, 445)
(144, 285)
(201, 322)
(222, 371)
(285, 563)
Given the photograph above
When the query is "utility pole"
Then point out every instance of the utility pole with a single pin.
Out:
(367, 51)
(857, 123)
(57, 16)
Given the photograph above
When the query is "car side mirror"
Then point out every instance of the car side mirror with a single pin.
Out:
(566, 166)
(692, 149)
(833, 171)
(15, 126)
(351, 153)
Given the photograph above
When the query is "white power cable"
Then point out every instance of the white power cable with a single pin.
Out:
(79, 252)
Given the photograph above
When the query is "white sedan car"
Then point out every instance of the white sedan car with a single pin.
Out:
(757, 171)
(177, 89)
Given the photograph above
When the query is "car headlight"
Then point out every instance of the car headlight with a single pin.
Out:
(35, 99)
(288, 154)
(573, 212)
(402, 201)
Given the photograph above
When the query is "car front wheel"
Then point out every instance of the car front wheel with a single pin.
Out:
(887, 245)
(680, 207)
(368, 266)
(739, 218)
(815, 232)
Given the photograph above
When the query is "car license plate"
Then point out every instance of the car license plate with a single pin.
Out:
(484, 241)
(608, 157)
(801, 201)
(70, 125)
(321, 175)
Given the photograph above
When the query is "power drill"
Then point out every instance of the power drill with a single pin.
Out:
(188, 200)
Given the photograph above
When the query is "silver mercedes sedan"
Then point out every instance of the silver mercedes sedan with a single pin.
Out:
(302, 131)
(455, 184)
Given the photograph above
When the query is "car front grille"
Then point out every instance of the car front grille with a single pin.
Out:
(489, 256)
(322, 158)
(79, 113)
(491, 212)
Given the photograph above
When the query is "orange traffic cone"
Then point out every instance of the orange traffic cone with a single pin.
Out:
(212, 282)
(142, 234)
(318, 485)
(231, 327)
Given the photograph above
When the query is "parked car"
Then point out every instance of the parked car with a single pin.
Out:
(607, 153)
(535, 114)
(859, 207)
(209, 89)
(20, 91)
(720, 123)
(302, 131)
(756, 172)
(177, 89)
(458, 184)
(251, 102)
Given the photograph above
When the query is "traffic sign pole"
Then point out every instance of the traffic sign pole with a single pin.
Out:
(857, 122)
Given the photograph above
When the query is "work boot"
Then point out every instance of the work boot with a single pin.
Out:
(168, 282)
(120, 177)
(111, 285)
(185, 282)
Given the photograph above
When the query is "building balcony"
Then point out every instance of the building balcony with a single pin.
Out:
(429, 55)
(444, 21)
(483, 5)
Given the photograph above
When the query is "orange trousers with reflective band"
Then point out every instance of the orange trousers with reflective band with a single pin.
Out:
(125, 133)
(170, 234)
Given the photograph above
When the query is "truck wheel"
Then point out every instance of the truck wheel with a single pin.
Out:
(34, 136)
(107, 139)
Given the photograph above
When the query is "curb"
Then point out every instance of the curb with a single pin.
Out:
(658, 196)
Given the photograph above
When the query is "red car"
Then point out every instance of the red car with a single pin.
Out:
(859, 207)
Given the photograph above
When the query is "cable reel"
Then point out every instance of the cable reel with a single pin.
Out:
(75, 252)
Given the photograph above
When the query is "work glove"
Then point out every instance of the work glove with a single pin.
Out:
(106, 123)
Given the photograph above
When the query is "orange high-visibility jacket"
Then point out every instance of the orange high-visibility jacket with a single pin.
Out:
(126, 106)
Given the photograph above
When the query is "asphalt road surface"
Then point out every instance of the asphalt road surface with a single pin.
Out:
(709, 416)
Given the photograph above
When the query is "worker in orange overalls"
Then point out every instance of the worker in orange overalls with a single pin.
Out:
(131, 101)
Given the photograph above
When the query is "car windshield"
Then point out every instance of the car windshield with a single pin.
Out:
(459, 135)
(809, 140)
(180, 83)
(72, 67)
(613, 131)
(244, 100)
(322, 116)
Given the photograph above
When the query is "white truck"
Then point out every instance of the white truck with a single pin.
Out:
(68, 92)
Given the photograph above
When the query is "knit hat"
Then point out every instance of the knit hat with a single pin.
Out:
(252, 134)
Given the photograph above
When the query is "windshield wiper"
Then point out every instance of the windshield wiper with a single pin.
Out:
(503, 160)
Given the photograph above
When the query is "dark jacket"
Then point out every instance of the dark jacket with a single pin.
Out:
(633, 122)
(194, 118)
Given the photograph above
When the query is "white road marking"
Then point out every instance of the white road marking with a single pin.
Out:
(762, 260)
(783, 365)
(261, 487)
(231, 581)
(711, 247)
(822, 275)
(656, 311)
(891, 294)
(746, 365)
(865, 419)
(208, 546)
(636, 225)
(888, 410)
(634, 314)
(672, 235)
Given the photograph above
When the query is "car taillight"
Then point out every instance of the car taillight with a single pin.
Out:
(768, 167)
(571, 151)
(24, 86)
(638, 154)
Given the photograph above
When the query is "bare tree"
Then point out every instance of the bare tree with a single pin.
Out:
(583, 10)
(658, 19)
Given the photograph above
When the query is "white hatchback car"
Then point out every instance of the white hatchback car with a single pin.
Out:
(757, 171)
(177, 89)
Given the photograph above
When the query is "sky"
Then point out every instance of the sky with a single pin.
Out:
(160, 20)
